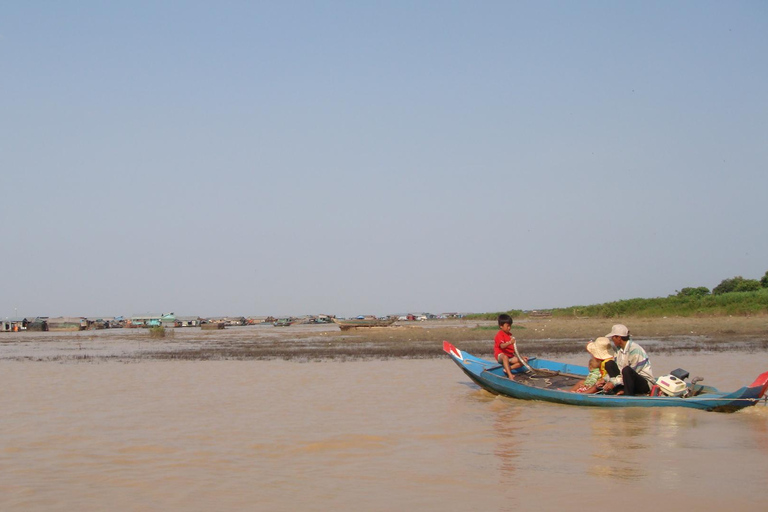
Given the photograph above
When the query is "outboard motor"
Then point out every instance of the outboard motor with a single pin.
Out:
(671, 385)
(693, 391)
(674, 384)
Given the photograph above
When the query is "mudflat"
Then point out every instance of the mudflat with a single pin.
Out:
(419, 340)
(558, 335)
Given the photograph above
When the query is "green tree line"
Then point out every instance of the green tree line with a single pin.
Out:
(733, 296)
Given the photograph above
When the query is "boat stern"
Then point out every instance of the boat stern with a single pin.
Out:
(762, 383)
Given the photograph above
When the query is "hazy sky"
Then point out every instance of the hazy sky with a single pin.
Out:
(360, 157)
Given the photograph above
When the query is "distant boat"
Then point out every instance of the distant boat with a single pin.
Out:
(282, 322)
(212, 326)
(363, 322)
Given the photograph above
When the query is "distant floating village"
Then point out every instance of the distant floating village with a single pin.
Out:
(170, 320)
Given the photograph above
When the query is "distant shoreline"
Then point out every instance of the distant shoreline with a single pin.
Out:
(415, 340)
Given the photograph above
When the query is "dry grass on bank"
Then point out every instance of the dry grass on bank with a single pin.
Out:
(713, 328)
(720, 329)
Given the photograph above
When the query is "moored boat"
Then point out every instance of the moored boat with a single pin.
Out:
(363, 322)
(551, 381)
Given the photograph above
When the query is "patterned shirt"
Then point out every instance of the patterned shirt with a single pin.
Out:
(634, 356)
(592, 378)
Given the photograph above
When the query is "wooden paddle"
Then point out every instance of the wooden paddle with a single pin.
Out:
(520, 358)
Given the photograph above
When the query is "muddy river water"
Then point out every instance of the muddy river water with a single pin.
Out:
(396, 434)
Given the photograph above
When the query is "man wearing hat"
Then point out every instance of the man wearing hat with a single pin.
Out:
(636, 376)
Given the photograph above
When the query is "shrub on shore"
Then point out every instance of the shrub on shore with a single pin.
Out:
(737, 284)
(157, 332)
(514, 313)
(732, 303)
(694, 302)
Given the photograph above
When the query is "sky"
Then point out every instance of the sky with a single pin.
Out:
(358, 157)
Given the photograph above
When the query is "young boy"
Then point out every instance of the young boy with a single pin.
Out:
(503, 346)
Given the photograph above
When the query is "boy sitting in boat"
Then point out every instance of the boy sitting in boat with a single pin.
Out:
(503, 346)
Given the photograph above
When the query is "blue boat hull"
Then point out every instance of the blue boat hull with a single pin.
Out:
(490, 376)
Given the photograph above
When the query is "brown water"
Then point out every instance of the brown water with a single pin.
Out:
(367, 435)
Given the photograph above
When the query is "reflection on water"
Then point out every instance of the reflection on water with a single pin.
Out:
(616, 437)
(757, 417)
(389, 435)
(508, 427)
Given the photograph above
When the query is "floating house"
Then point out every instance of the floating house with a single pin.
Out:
(98, 323)
(14, 325)
(146, 321)
(187, 321)
(67, 323)
(227, 320)
(168, 320)
(39, 324)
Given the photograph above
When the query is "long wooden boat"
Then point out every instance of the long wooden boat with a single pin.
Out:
(551, 381)
(363, 322)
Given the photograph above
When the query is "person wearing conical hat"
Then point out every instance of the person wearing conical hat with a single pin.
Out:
(602, 354)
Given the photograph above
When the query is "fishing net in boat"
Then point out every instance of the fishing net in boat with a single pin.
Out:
(547, 379)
